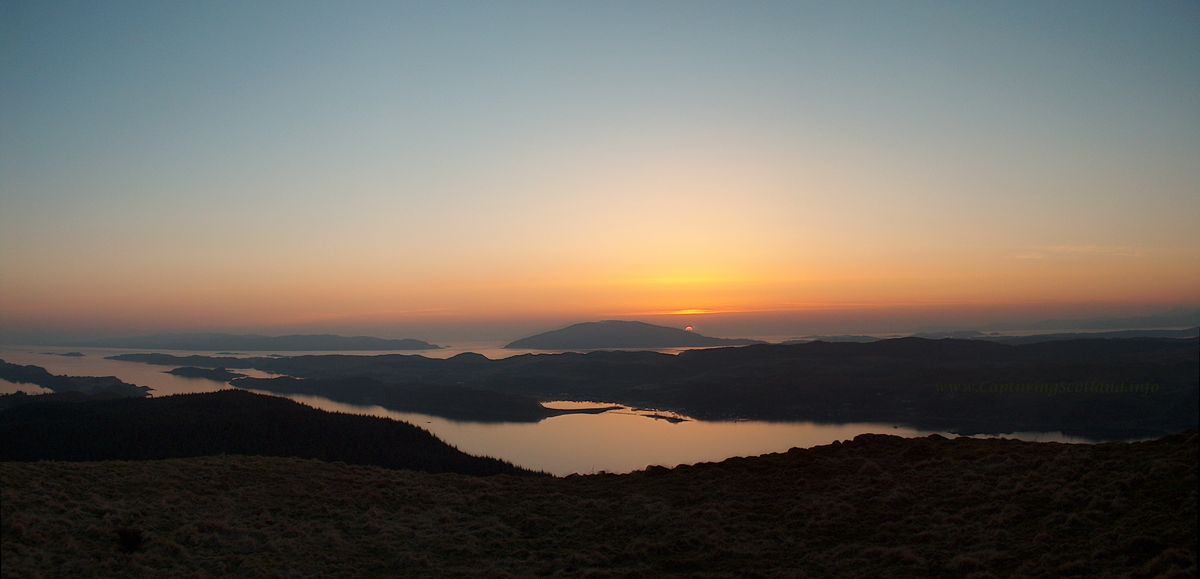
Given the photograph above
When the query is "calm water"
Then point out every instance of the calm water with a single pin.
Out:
(7, 387)
(616, 441)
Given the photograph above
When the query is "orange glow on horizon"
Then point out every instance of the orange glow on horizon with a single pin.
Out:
(371, 290)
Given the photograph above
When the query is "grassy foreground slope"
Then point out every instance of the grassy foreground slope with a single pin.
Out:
(877, 506)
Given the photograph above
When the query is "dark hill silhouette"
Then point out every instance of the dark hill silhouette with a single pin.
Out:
(20, 398)
(225, 422)
(1117, 334)
(1104, 388)
(613, 334)
(252, 343)
(1004, 339)
(445, 400)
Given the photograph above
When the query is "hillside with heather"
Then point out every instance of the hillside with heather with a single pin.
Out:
(876, 506)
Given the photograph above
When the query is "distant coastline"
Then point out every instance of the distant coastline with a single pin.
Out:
(100, 385)
(940, 384)
(217, 342)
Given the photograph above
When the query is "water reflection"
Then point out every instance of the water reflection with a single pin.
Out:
(628, 439)
(93, 363)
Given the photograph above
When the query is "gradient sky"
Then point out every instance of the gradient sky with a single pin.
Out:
(482, 169)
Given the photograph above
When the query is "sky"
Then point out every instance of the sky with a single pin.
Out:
(487, 169)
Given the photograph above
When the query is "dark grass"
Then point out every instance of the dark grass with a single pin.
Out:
(878, 506)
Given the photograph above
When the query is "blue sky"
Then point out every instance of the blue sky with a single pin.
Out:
(278, 164)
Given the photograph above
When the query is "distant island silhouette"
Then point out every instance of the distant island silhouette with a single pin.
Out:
(98, 385)
(446, 400)
(1010, 339)
(217, 374)
(613, 334)
(1111, 335)
(1099, 388)
(258, 343)
(834, 338)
